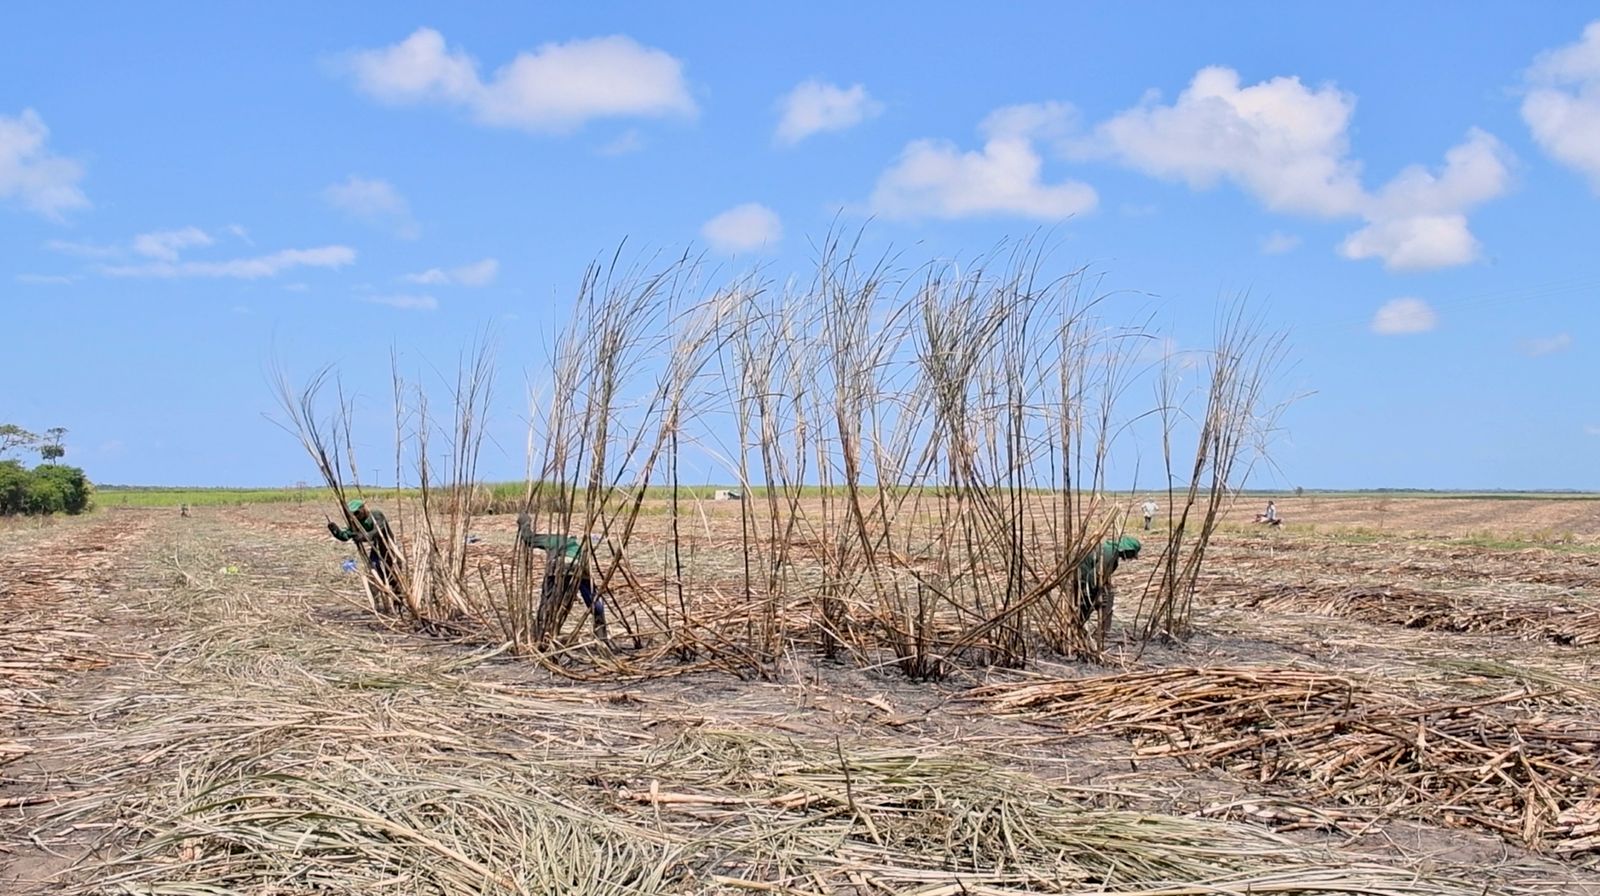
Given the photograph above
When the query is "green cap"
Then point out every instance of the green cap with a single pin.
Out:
(355, 504)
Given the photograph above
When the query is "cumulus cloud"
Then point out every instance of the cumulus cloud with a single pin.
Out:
(1403, 316)
(31, 175)
(254, 268)
(1562, 106)
(1284, 143)
(375, 201)
(1288, 145)
(479, 273)
(1278, 243)
(815, 107)
(1418, 220)
(743, 228)
(405, 302)
(1549, 345)
(937, 179)
(555, 88)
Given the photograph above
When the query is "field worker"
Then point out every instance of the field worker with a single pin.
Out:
(372, 529)
(1149, 507)
(1269, 516)
(567, 571)
(1095, 590)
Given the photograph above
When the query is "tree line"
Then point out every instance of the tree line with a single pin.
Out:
(50, 487)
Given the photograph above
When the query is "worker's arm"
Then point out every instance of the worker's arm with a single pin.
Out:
(337, 532)
(562, 544)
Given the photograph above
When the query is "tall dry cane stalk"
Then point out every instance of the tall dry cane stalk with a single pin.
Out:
(770, 374)
(441, 514)
(605, 434)
(958, 426)
(1019, 351)
(325, 437)
(428, 578)
(1240, 369)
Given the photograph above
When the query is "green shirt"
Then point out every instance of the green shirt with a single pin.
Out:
(565, 545)
(1096, 569)
(376, 524)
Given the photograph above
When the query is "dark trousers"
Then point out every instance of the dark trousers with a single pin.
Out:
(383, 569)
(562, 587)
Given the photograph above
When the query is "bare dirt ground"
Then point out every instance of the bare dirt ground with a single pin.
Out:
(204, 705)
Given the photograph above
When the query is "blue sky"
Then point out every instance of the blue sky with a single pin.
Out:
(189, 192)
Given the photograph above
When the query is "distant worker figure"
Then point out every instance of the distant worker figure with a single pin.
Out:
(1270, 515)
(372, 529)
(183, 510)
(1095, 590)
(1150, 507)
(566, 573)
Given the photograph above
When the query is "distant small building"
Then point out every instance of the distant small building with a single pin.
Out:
(727, 494)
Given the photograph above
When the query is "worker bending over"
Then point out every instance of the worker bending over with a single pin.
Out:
(1095, 589)
(567, 572)
(372, 531)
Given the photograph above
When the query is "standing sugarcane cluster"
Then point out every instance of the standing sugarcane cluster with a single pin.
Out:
(921, 460)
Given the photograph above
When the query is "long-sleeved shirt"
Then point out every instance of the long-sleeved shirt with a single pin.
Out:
(374, 529)
(1094, 572)
(565, 549)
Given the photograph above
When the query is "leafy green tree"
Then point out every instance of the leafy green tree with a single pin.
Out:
(14, 482)
(66, 488)
(50, 449)
(52, 488)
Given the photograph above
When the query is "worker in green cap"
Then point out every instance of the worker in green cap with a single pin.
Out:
(566, 571)
(1095, 589)
(372, 530)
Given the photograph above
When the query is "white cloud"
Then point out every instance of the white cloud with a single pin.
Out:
(1278, 243)
(814, 107)
(166, 244)
(1402, 316)
(375, 201)
(479, 273)
(405, 302)
(1279, 140)
(162, 245)
(743, 228)
(553, 89)
(240, 268)
(1046, 121)
(1549, 345)
(935, 179)
(1592, 430)
(1418, 221)
(30, 174)
(1288, 146)
(46, 279)
(1562, 106)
